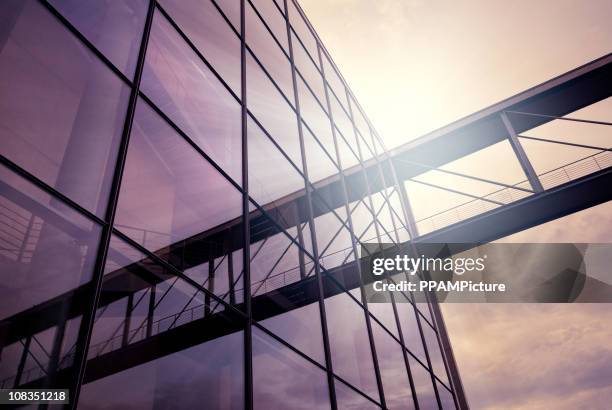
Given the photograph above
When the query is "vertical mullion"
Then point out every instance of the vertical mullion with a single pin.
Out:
(353, 237)
(393, 303)
(315, 248)
(246, 254)
(88, 320)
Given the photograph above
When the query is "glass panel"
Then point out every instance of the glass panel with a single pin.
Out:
(423, 387)
(350, 346)
(333, 79)
(181, 85)
(61, 110)
(169, 192)
(276, 260)
(47, 248)
(211, 373)
(349, 399)
(300, 327)
(266, 163)
(393, 372)
(385, 314)
(410, 329)
(114, 28)
(283, 379)
(274, 19)
(272, 111)
(48, 255)
(231, 9)
(343, 121)
(268, 52)
(320, 165)
(302, 30)
(316, 119)
(333, 238)
(210, 33)
(446, 397)
(347, 155)
(308, 70)
(435, 355)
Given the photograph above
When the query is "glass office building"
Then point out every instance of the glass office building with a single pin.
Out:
(185, 185)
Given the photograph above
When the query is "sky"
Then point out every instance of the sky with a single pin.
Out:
(418, 65)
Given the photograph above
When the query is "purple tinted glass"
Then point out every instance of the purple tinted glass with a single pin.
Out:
(350, 348)
(266, 163)
(181, 380)
(113, 27)
(206, 28)
(269, 108)
(283, 379)
(349, 399)
(268, 52)
(47, 248)
(61, 110)
(423, 386)
(183, 87)
(396, 384)
(169, 191)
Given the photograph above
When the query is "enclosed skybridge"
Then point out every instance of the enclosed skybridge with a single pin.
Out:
(162, 294)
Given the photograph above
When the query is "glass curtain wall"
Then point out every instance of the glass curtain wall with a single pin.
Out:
(184, 186)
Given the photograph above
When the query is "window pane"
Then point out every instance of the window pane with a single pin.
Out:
(266, 163)
(61, 110)
(320, 165)
(316, 119)
(446, 398)
(48, 255)
(274, 19)
(393, 372)
(435, 355)
(302, 30)
(349, 399)
(301, 327)
(181, 85)
(210, 33)
(309, 71)
(169, 192)
(272, 111)
(283, 379)
(423, 387)
(268, 52)
(114, 28)
(47, 248)
(410, 329)
(350, 346)
(211, 373)
(333, 79)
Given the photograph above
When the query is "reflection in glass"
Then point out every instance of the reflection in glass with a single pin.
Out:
(183, 87)
(300, 327)
(349, 399)
(349, 343)
(48, 255)
(269, 107)
(423, 386)
(410, 329)
(61, 109)
(266, 163)
(268, 52)
(47, 248)
(435, 354)
(396, 384)
(210, 33)
(211, 373)
(114, 28)
(169, 192)
(283, 379)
